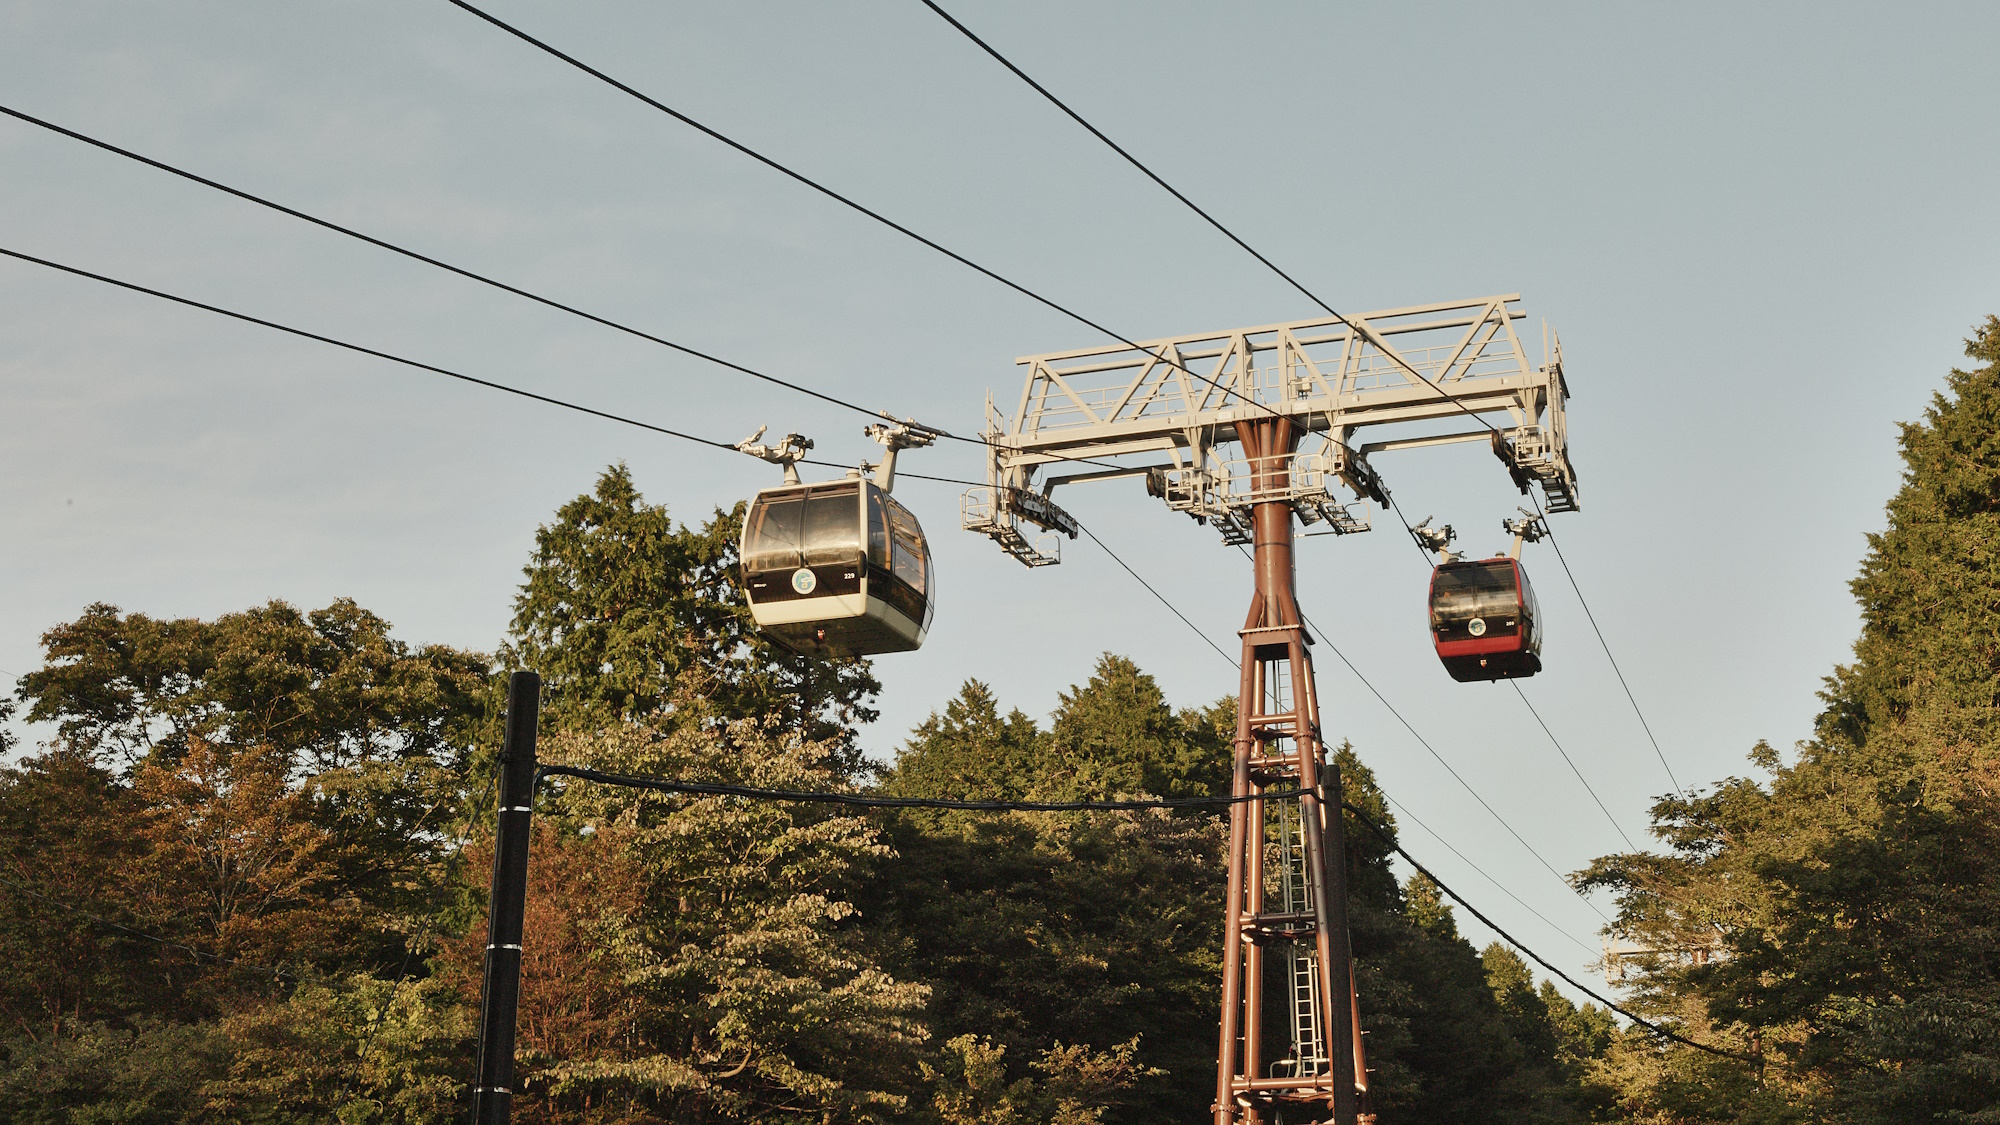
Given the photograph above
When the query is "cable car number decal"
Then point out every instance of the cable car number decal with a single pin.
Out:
(804, 580)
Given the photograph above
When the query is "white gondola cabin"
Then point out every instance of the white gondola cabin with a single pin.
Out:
(837, 568)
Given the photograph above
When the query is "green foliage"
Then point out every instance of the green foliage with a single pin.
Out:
(969, 751)
(619, 604)
(1071, 1085)
(357, 1051)
(96, 1074)
(1116, 734)
(1843, 916)
(277, 787)
(1041, 929)
(755, 999)
(328, 689)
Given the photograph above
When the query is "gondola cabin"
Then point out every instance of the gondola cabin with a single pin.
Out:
(837, 568)
(1485, 621)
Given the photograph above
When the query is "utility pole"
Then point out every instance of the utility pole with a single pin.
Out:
(1163, 410)
(493, 1088)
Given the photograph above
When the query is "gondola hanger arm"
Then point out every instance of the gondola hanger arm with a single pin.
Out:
(785, 453)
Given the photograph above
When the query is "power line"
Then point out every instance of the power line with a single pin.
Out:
(364, 350)
(190, 302)
(1572, 764)
(501, 285)
(1162, 597)
(1406, 725)
(1421, 741)
(1315, 299)
(1210, 219)
(1404, 810)
(862, 800)
(1606, 646)
(439, 263)
(1425, 743)
(875, 802)
(899, 228)
(866, 801)
(1642, 1021)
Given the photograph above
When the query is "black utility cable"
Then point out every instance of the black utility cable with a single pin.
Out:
(1606, 646)
(1466, 785)
(893, 224)
(1572, 765)
(190, 302)
(443, 265)
(1642, 1021)
(1335, 314)
(504, 286)
(1404, 810)
(1162, 597)
(863, 800)
(512, 390)
(1192, 206)
(300, 332)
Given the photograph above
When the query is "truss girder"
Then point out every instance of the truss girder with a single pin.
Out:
(1171, 402)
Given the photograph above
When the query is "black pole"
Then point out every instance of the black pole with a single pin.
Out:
(493, 1088)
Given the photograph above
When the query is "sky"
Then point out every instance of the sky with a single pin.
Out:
(1763, 233)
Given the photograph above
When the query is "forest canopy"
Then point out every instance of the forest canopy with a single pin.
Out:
(243, 878)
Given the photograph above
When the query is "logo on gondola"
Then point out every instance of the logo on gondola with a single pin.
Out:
(805, 582)
(1476, 626)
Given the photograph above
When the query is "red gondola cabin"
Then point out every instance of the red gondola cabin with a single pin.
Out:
(1485, 621)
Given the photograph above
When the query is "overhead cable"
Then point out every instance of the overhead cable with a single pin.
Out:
(899, 228)
(516, 290)
(1315, 299)
(1642, 1021)
(867, 801)
(440, 264)
(364, 350)
(1170, 189)
(1162, 597)
(1606, 646)
(1466, 785)
(863, 800)
(1572, 765)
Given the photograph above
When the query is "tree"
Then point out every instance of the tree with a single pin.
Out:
(969, 751)
(1116, 734)
(1842, 916)
(1071, 1086)
(740, 985)
(1037, 931)
(619, 603)
(328, 689)
(64, 963)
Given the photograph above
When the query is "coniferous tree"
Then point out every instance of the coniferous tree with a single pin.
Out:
(1843, 917)
(618, 603)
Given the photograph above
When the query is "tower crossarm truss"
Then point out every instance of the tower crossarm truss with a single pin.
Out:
(1400, 378)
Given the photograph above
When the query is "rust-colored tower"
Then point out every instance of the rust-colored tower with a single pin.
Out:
(1287, 858)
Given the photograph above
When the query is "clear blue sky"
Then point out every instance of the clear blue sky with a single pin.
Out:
(1762, 231)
